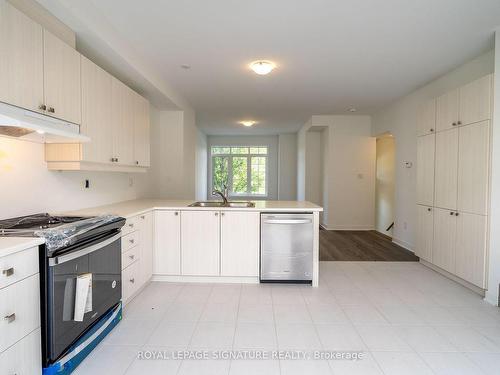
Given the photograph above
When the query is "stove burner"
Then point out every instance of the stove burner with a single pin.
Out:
(35, 222)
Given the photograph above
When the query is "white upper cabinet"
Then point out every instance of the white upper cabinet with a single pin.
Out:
(425, 232)
(96, 112)
(476, 100)
(425, 169)
(445, 230)
(21, 59)
(240, 243)
(141, 131)
(167, 243)
(446, 169)
(471, 248)
(426, 118)
(61, 74)
(473, 167)
(122, 102)
(200, 243)
(447, 109)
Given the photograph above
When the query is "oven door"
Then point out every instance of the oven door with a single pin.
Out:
(102, 260)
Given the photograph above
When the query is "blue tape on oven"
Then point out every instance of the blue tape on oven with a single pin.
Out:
(84, 346)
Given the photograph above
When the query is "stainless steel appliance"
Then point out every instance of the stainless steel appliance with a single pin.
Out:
(74, 246)
(286, 247)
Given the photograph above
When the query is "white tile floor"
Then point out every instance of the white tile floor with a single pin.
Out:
(406, 318)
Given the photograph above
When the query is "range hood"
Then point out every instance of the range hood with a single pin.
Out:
(26, 125)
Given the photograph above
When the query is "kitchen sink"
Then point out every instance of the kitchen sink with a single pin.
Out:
(235, 204)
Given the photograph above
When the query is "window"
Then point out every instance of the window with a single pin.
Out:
(243, 169)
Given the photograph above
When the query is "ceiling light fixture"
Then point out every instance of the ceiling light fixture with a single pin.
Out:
(262, 67)
(248, 123)
(40, 132)
(352, 109)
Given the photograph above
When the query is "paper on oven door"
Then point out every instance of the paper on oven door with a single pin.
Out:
(83, 296)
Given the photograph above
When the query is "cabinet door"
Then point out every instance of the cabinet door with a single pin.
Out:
(167, 243)
(61, 77)
(240, 243)
(122, 118)
(96, 112)
(473, 167)
(425, 169)
(475, 101)
(447, 110)
(426, 118)
(471, 248)
(200, 243)
(146, 244)
(445, 230)
(141, 131)
(425, 232)
(21, 59)
(446, 172)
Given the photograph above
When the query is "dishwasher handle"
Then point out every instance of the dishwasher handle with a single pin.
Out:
(287, 221)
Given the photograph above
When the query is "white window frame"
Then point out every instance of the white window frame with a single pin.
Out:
(249, 156)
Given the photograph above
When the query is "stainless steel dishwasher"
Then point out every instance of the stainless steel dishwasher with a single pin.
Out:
(286, 247)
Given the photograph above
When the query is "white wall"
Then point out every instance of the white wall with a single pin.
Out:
(384, 186)
(399, 119)
(492, 293)
(28, 187)
(201, 166)
(287, 166)
(314, 168)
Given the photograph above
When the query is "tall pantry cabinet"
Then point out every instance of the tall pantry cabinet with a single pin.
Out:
(453, 164)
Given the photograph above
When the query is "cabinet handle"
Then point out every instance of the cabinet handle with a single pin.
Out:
(452, 213)
(131, 240)
(10, 318)
(176, 213)
(143, 217)
(116, 159)
(431, 129)
(8, 272)
(222, 214)
(131, 256)
(42, 107)
(459, 122)
(136, 162)
(429, 209)
(131, 225)
(454, 124)
(52, 110)
(132, 281)
(216, 214)
(456, 213)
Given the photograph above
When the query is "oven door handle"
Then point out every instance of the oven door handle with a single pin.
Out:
(87, 250)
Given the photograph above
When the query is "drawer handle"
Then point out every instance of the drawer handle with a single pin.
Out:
(143, 217)
(176, 214)
(131, 240)
(8, 272)
(131, 256)
(132, 281)
(131, 225)
(10, 318)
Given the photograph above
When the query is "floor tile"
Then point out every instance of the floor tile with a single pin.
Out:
(213, 336)
(153, 367)
(253, 367)
(382, 338)
(436, 315)
(184, 312)
(399, 363)
(364, 315)
(400, 315)
(220, 312)
(131, 332)
(301, 367)
(297, 337)
(451, 364)
(255, 336)
(489, 363)
(169, 334)
(108, 360)
(467, 339)
(340, 337)
(327, 314)
(204, 367)
(424, 339)
(256, 314)
(364, 366)
(288, 314)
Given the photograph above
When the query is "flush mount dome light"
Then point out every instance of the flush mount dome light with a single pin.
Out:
(248, 123)
(262, 67)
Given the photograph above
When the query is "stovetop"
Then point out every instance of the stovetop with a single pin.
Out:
(27, 225)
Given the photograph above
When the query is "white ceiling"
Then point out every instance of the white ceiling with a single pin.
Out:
(331, 54)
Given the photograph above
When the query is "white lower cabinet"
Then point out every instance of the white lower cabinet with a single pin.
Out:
(240, 242)
(146, 246)
(200, 237)
(24, 357)
(167, 243)
(130, 281)
(425, 232)
(445, 233)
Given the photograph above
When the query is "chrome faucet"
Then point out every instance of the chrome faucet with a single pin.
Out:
(222, 194)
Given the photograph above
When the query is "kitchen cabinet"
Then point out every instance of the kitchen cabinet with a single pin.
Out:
(146, 246)
(446, 169)
(200, 238)
(167, 243)
(426, 118)
(471, 248)
(425, 169)
(445, 231)
(473, 167)
(122, 104)
(21, 59)
(96, 113)
(24, 357)
(447, 110)
(240, 243)
(61, 76)
(425, 232)
(141, 131)
(476, 100)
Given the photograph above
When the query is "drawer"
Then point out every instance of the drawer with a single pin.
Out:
(25, 357)
(130, 257)
(131, 224)
(18, 266)
(129, 241)
(20, 302)
(131, 279)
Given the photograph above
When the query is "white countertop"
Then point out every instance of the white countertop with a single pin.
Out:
(138, 206)
(11, 245)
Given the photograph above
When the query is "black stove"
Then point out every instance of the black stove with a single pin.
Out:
(26, 226)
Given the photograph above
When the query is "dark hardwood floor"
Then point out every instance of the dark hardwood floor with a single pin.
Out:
(361, 246)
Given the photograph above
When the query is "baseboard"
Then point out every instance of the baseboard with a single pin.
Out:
(491, 299)
(206, 279)
(403, 244)
(351, 227)
(457, 279)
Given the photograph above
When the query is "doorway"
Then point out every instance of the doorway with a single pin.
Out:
(384, 184)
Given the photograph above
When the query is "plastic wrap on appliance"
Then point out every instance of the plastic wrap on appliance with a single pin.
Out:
(66, 235)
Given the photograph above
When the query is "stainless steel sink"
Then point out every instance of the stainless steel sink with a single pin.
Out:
(235, 204)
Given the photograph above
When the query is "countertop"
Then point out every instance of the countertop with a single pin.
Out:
(11, 245)
(138, 206)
